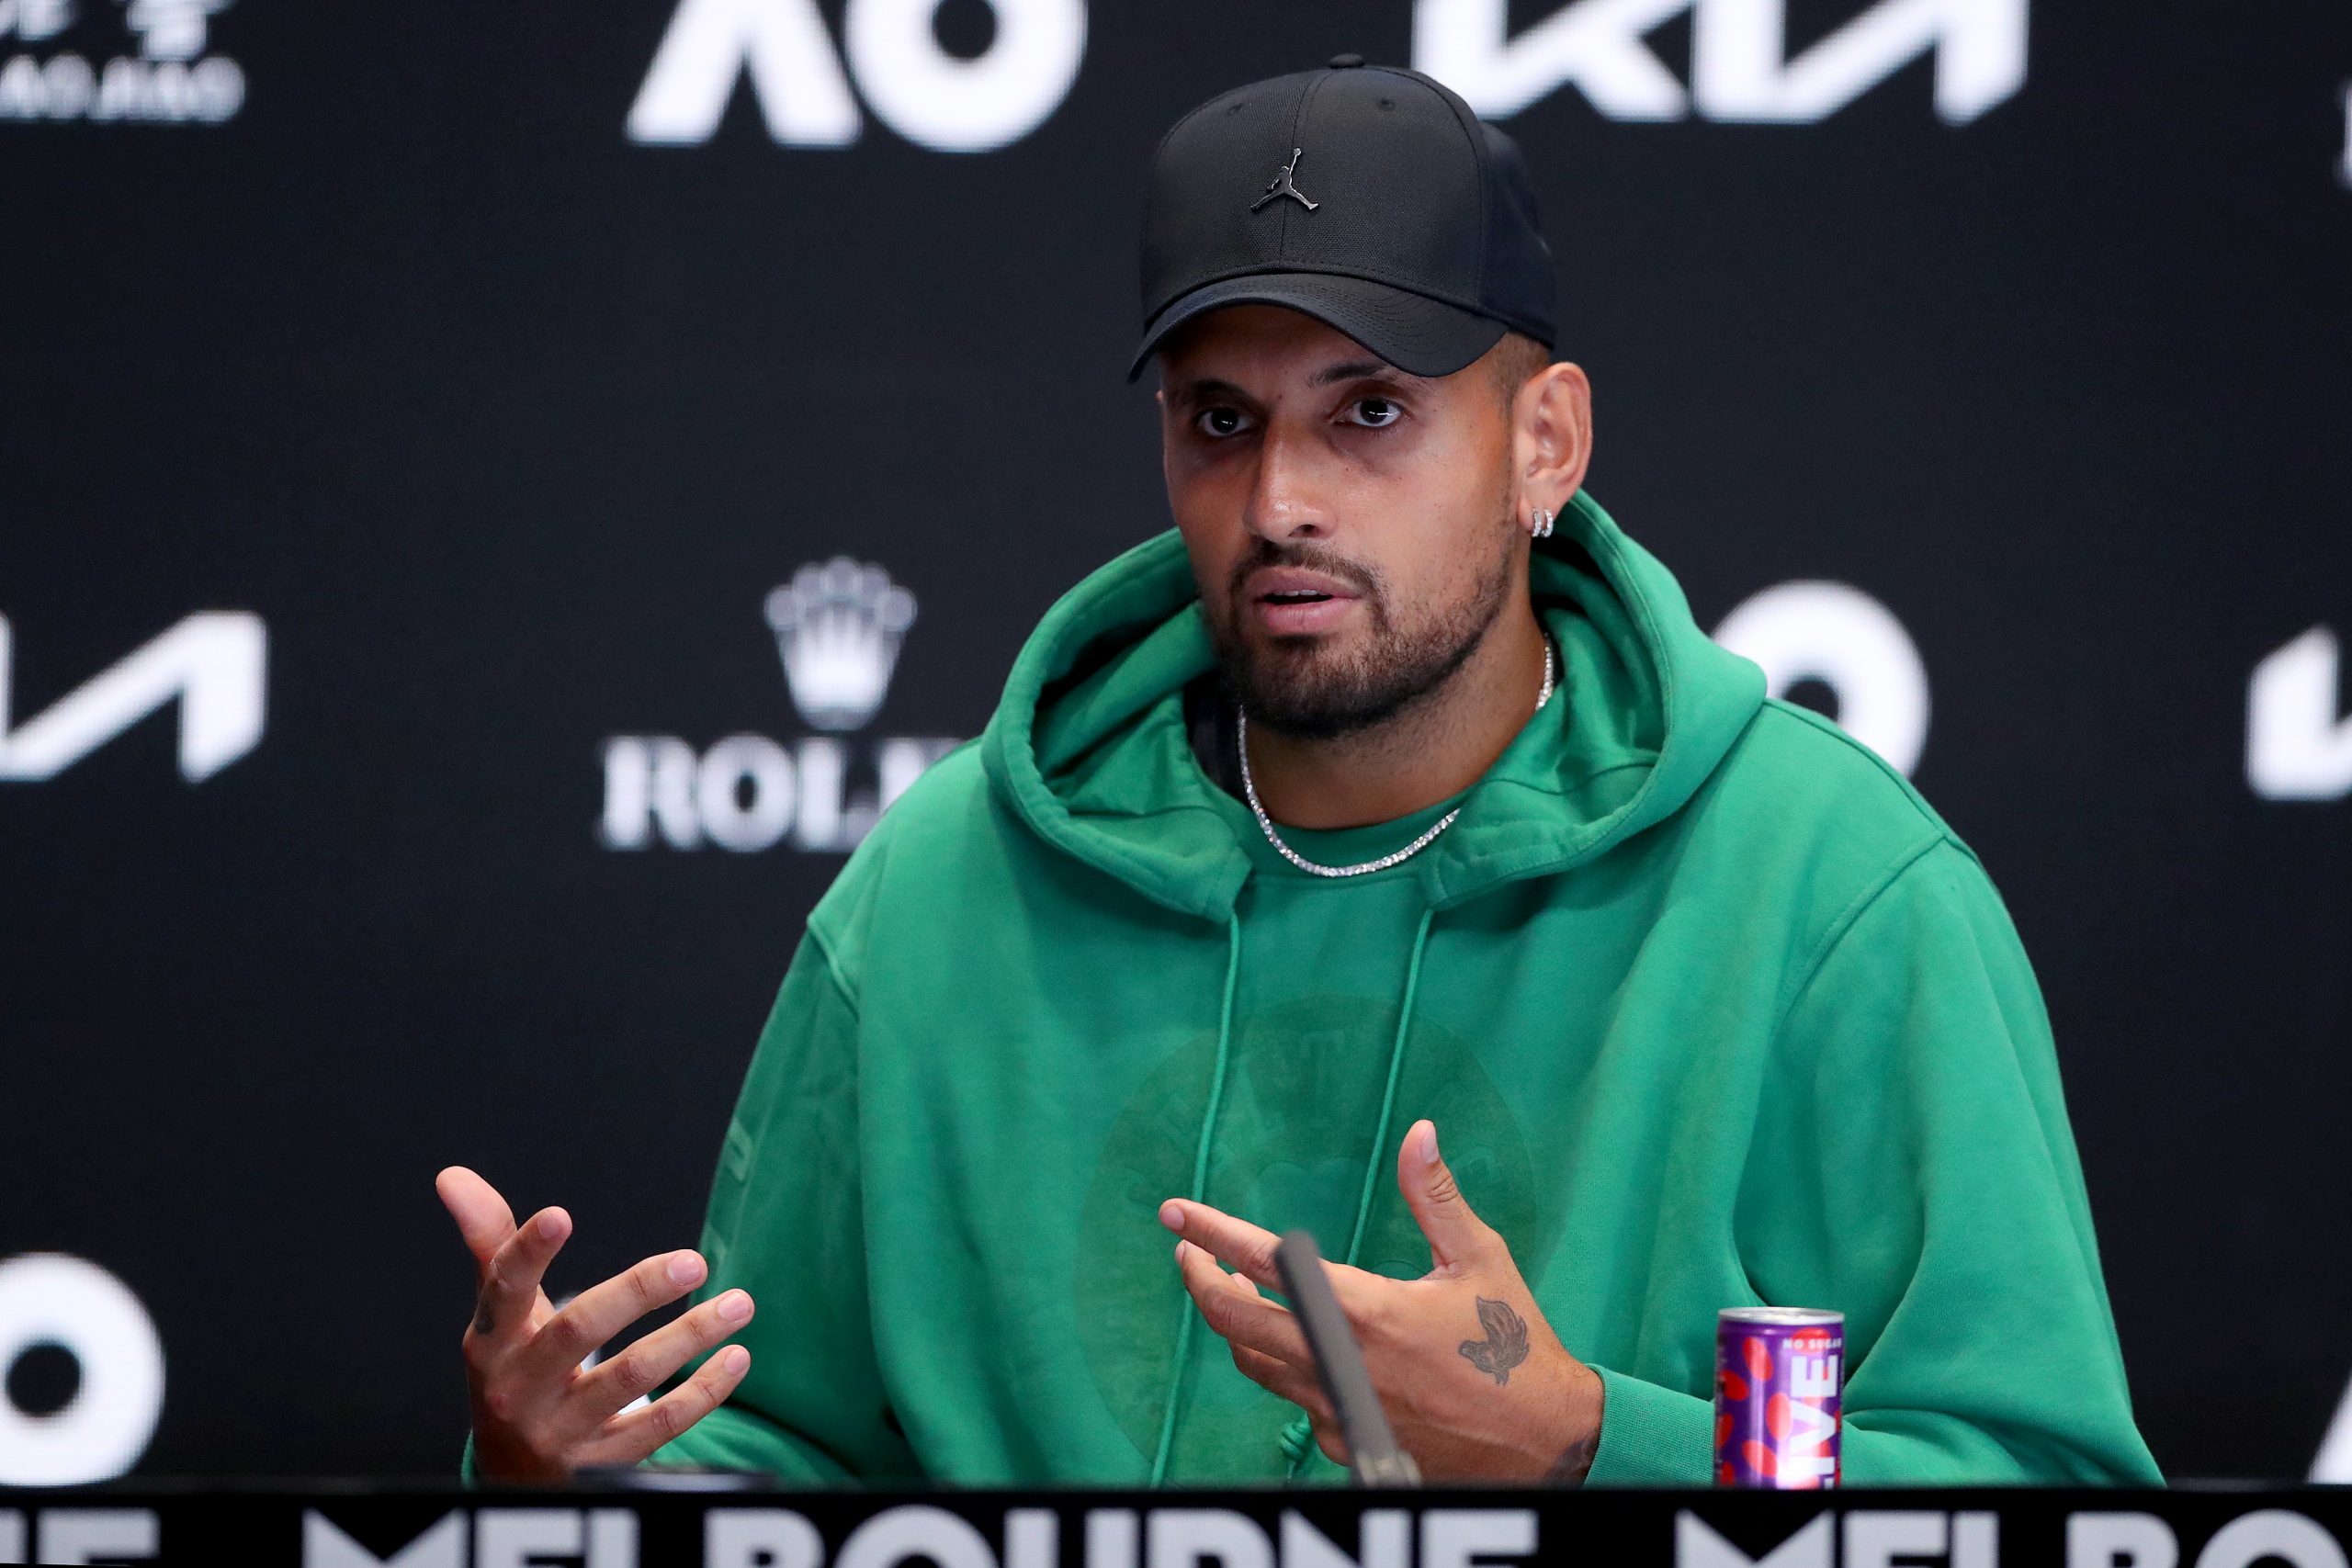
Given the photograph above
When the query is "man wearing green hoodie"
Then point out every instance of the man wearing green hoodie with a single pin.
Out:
(1394, 792)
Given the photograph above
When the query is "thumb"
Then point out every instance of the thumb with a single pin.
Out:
(1457, 1236)
(482, 1216)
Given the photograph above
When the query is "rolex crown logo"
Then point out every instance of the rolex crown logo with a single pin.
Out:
(838, 627)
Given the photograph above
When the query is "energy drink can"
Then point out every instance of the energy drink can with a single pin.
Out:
(1779, 1389)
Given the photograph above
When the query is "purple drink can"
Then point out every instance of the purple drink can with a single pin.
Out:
(1780, 1388)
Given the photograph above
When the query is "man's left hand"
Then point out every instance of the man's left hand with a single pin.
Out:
(1475, 1383)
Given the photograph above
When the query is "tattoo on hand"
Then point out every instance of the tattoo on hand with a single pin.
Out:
(1505, 1344)
(1575, 1462)
(483, 1321)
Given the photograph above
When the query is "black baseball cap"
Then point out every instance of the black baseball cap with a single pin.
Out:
(1368, 196)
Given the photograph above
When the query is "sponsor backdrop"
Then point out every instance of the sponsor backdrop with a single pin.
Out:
(494, 499)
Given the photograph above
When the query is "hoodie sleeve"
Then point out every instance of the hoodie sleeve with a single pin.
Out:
(786, 1222)
(1912, 1166)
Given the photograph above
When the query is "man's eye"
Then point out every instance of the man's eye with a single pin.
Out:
(1377, 412)
(1218, 422)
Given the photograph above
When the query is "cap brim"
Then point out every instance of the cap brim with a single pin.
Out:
(1420, 335)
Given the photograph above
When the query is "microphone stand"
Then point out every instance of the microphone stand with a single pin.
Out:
(1374, 1457)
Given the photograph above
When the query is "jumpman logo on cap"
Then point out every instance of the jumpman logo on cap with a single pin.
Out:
(1280, 185)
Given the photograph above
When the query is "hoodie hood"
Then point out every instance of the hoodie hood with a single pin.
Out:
(1089, 748)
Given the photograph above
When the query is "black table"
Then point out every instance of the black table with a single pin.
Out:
(734, 1522)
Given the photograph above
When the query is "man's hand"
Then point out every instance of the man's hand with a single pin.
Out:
(538, 1416)
(1474, 1380)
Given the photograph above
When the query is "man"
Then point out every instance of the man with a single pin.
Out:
(1394, 797)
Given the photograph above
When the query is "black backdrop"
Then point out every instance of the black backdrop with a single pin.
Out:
(490, 427)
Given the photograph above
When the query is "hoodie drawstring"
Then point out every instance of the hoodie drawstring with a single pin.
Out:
(1298, 1437)
(1201, 1182)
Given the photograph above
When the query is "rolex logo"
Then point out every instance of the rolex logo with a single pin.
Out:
(838, 627)
(1280, 185)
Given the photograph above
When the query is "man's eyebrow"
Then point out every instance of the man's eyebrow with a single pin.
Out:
(1209, 387)
(1353, 369)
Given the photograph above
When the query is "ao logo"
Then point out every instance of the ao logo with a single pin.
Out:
(838, 629)
(1852, 644)
(2297, 743)
(213, 663)
(926, 94)
(47, 1299)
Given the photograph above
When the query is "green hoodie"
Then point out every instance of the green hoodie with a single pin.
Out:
(1709, 1008)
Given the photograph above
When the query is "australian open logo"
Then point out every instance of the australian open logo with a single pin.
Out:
(149, 62)
(839, 626)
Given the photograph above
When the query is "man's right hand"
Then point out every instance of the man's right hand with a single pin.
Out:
(538, 1416)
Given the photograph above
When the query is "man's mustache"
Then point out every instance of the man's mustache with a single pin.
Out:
(1364, 581)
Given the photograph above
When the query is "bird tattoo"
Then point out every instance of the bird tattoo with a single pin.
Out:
(1505, 1344)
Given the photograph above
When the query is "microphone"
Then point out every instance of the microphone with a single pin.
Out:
(1374, 1457)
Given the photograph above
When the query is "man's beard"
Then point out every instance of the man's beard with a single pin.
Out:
(1303, 688)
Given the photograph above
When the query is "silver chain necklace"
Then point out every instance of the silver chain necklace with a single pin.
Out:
(1242, 744)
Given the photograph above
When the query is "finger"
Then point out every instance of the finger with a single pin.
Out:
(1241, 1318)
(1298, 1384)
(1330, 1439)
(603, 1310)
(1347, 1284)
(483, 1219)
(509, 1281)
(1246, 1248)
(614, 1381)
(631, 1435)
(1457, 1236)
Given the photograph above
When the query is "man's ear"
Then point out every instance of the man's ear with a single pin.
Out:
(1552, 435)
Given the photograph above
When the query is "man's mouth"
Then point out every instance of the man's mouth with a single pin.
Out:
(1292, 601)
(1296, 584)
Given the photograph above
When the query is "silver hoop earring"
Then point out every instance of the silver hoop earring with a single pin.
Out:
(1543, 519)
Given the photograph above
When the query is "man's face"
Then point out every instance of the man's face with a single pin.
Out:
(1350, 526)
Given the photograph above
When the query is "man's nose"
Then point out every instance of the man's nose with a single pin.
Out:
(1285, 500)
